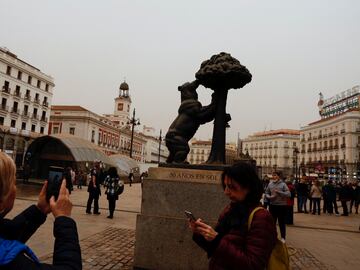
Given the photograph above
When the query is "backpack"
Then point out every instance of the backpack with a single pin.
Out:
(279, 258)
(119, 190)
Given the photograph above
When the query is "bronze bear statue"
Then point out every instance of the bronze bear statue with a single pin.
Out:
(191, 115)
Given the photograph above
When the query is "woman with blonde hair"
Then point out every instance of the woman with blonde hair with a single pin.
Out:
(14, 254)
(315, 194)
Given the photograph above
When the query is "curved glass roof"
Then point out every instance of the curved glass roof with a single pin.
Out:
(124, 163)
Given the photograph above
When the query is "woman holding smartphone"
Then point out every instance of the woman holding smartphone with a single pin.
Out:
(230, 245)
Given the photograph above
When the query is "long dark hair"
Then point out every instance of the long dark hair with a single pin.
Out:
(245, 175)
(112, 172)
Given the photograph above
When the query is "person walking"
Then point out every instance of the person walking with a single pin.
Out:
(357, 198)
(79, 178)
(330, 191)
(131, 178)
(302, 196)
(352, 196)
(94, 190)
(231, 245)
(315, 194)
(14, 233)
(344, 197)
(266, 201)
(290, 203)
(309, 185)
(26, 173)
(114, 187)
(278, 193)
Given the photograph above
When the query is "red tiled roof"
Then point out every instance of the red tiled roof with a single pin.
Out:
(68, 108)
(276, 132)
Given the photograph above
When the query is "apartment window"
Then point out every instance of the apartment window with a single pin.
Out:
(72, 131)
(23, 125)
(55, 130)
(33, 128)
(13, 123)
(1, 121)
(36, 97)
(8, 70)
(47, 88)
(43, 116)
(26, 109)
(42, 130)
(38, 84)
(19, 76)
(15, 107)
(17, 91)
(3, 102)
(29, 79)
(45, 103)
(93, 136)
(6, 86)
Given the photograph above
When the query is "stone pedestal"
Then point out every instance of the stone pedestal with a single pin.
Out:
(163, 239)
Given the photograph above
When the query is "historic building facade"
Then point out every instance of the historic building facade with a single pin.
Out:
(200, 151)
(330, 147)
(274, 150)
(26, 95)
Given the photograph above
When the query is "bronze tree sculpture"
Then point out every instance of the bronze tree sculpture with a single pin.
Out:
(221, 73)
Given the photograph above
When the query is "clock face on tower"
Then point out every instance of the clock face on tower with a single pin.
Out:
(120, 106)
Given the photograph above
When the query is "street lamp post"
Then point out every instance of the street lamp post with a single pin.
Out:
(160, 140)
(296, 152)
(133, 122)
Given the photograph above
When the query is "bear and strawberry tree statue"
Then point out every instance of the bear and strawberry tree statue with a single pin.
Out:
(220, 73)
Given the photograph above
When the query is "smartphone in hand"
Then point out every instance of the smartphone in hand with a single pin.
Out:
(190, 216)
(56, 175)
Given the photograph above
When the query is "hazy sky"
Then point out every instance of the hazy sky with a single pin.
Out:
(294, 50)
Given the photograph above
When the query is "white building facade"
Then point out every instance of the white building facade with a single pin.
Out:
(274, 150)
(26, 95)
(330, 146)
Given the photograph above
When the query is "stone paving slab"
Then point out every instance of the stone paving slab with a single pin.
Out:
(113, 248)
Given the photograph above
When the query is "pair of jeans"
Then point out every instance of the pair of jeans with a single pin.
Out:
(93, 198)
(345, 208)
(316, 204)
(278, 213)
(112, 204)
(302, 203)
(331, 206)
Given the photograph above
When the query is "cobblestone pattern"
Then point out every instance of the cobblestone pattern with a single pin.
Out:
(113, 249)
(303, 259)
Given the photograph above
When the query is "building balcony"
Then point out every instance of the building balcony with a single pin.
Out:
(17, 94)
(45, 104)
(4, 108)
(15, 110)
(336, 147)
(303, 151)
(325, 148)
(309, 150)
(36, 100)
(6, 90)
(45, 119)
(320, 136)
(25, 114)
(325, 136)
(35, 116)
(342, 131)
(343, 145)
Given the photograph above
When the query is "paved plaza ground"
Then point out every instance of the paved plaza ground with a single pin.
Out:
(321, 242)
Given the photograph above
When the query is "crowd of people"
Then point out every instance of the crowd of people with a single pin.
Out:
(316, 196)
